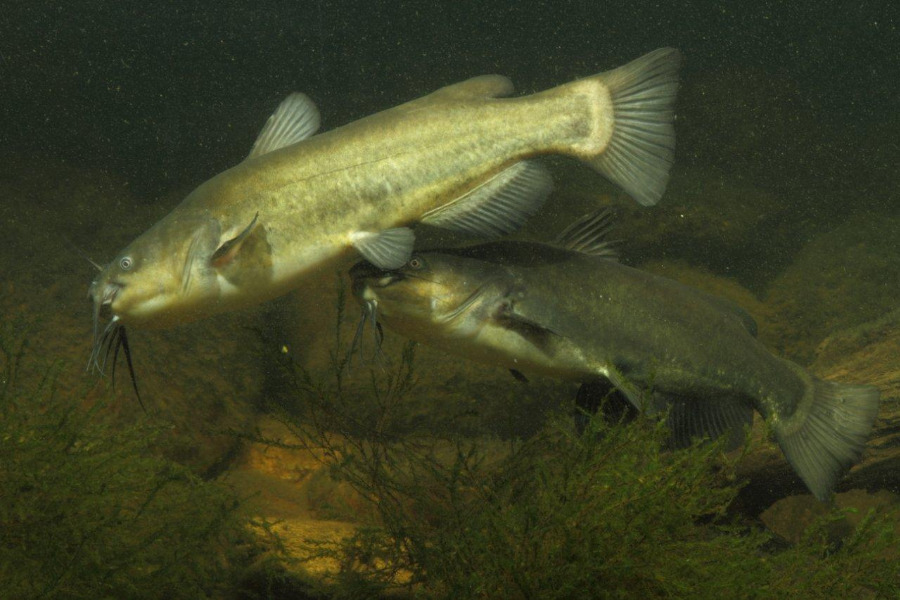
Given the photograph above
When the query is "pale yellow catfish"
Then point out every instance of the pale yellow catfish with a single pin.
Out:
(457, 158)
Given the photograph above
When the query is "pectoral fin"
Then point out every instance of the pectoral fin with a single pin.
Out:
(388, 249)
(597, 394)
(634, 394)
(225, 254)
(539, 336)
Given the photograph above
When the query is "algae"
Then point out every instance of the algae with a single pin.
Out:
(88, 511)
(607, 514)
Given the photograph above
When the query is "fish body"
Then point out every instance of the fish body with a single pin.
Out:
(458, 158)
(573, 315)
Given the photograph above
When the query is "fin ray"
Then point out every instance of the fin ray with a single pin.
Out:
(691, 418)
(823, 439)
(498, 206)
(588, 235)
(295, 119)
(388, 249)
(642, 147)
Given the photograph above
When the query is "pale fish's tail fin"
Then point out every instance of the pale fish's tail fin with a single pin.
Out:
(632, 137)
(828, 432)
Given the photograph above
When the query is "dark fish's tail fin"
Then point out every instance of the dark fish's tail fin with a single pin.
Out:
(633, 145)
(824, 438)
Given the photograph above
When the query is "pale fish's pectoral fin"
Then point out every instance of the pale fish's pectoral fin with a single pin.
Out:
(388, 249)
(694, 418)
(226, 253)
(588, 234)
(498, 206)
(295, 119)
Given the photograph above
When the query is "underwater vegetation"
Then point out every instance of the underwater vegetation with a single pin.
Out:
(87, 511)
(610, 513)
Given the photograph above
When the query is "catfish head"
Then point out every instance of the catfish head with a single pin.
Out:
(434, 295)
(166, 276)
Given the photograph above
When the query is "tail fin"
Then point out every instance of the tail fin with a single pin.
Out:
(831, 437)
(642, 147)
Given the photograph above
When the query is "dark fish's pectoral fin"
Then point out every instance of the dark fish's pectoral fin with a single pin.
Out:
(295, 119)
(691, 418)
(537, 335)
(639, 398)
(228, 250)
(388, 249)
(498, 206)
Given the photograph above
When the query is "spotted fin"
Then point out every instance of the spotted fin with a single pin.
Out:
(498, 206)
(388, 249)
(295, 119)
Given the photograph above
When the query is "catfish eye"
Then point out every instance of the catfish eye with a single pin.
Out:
(125, 263)
(415, 263)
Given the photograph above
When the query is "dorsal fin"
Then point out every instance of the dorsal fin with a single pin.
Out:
(483, 86)
(588, 235)
(295, 119)
(498, 206)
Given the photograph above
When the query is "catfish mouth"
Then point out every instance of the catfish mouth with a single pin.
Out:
(113, 337)
(365, 274)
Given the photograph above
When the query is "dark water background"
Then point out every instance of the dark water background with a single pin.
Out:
(784, 192)
(168, 94)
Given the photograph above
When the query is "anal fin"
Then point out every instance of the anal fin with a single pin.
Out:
(499, 205)
(691, 418)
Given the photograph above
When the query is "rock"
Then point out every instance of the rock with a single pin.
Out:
(843, 278)
(869, 354)
(727, 227)
(864, 354)
(721, 287)
(791, 517)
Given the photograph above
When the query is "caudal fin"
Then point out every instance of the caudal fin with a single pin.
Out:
(640, 152)
(822, 446)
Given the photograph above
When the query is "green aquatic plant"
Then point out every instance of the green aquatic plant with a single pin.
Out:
(86, 509)
(610, 513)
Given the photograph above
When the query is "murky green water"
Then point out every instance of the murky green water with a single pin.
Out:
(783, 199)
